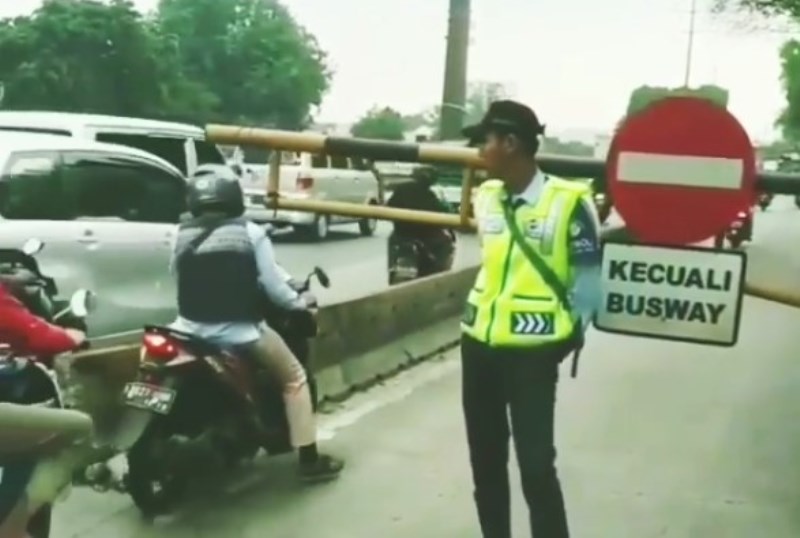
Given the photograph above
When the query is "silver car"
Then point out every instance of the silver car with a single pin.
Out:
(107, 215)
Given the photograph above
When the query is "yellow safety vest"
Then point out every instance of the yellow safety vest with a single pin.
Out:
(510, 304)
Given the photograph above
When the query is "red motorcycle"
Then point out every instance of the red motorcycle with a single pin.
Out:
(197, 407)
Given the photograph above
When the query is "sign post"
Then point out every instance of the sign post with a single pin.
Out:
(679, 173)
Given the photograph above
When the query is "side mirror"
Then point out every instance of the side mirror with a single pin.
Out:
(269, 229)
(322, 276)
(81, 303)
(32, 246)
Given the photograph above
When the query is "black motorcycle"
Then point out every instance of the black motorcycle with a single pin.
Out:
(197, 406)
(410, 258)
(30, 380)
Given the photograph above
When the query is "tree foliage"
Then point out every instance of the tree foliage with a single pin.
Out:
(381, 123)
(241, 60)
(789, 119)
(790, 8)
(644, 96)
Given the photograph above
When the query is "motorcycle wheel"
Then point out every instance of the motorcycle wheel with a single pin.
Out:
(39, 523)
(154, 489)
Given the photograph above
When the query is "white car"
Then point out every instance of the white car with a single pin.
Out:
(312, 177)
(106, 214)
(182, 145)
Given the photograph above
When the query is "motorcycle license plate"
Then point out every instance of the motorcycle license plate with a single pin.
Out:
(149, 397)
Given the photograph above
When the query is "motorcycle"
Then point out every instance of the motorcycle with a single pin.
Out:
(603, 205)
(410, 259)
(764, 200)
(31, 381)
(197, 406)
(740, 230)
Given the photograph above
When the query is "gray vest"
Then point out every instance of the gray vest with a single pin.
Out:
(217, 271)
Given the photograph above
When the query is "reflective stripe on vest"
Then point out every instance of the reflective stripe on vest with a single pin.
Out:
(510, 304)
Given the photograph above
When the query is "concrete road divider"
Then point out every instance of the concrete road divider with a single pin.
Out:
(367, 339)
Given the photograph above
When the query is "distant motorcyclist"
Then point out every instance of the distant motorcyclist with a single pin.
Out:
(437, 241)
(224, 263)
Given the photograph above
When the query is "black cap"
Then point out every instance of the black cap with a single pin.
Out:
(506, 116)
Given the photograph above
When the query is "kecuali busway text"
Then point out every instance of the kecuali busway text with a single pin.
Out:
(664, 307)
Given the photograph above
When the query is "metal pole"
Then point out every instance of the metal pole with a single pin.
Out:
(690, 44)
(454, 94)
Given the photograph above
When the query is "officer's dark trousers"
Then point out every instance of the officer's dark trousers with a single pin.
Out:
(524, 382)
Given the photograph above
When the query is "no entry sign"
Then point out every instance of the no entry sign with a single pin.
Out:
(680, 171)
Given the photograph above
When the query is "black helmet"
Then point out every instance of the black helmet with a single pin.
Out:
(215, 188)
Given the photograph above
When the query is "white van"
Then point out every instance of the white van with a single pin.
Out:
(182, 145)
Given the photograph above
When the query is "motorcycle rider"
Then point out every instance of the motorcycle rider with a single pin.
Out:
(224, 263)
(419, 196)
(29, 433)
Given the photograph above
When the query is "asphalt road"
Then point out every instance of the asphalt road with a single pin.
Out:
(656, 439)
(356, 265)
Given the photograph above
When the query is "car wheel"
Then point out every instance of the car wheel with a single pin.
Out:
(319, 230)
(367, 227)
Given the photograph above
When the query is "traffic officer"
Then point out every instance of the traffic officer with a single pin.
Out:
(536, 292)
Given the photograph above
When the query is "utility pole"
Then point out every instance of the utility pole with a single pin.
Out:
(690, 44)
(454, 95)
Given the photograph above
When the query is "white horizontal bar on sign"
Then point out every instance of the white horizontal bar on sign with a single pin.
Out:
(680, 170)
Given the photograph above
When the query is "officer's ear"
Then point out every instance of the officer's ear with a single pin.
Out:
(511, 143)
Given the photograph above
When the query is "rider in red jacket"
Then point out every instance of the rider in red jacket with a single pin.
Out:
(28, 334)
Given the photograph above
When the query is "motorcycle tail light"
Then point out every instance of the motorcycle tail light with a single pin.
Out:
(160, 347)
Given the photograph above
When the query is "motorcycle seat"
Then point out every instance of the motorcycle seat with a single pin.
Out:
(193, 343)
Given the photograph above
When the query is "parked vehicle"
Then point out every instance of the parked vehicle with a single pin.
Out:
(193, 406)
(107, 214)
(313, 177)
(30, 380)
(184, 146)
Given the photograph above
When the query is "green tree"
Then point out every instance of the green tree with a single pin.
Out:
(81, 55)
(252, 55)
(644, 96)
(570, 147)
(789, 119)
(381, 123)
(765, 7)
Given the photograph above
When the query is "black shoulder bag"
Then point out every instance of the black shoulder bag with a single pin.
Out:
(545, 271)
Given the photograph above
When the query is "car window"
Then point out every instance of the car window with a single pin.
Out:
(30, 188)
(171, 149)
(319, 161)
(106, 185)
(339, 162)
(208, 153)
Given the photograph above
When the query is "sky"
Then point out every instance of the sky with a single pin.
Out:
(574, 62)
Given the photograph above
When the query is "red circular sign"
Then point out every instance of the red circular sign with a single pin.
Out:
(679, 171)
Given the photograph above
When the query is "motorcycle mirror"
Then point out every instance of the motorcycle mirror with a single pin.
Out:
(81, 303)
(32, 246)
(322, 276)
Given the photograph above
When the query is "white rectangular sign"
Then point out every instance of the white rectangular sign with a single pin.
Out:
(689, 294)
(681, 170)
